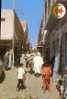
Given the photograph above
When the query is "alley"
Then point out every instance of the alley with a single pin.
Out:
(33, 35)
(8, 87)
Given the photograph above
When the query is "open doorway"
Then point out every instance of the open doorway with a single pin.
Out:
(3, 50)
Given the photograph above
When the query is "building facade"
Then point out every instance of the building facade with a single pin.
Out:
(11, 35)
(41, 36)
(56, 40)
(26, 41)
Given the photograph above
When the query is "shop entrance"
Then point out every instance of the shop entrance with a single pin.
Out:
(3, 50)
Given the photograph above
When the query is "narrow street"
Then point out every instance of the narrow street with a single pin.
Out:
(8, 87)
(33, 34)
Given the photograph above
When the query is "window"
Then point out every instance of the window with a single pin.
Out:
(2, 19)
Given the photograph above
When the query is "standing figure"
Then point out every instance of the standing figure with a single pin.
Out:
(60, 88)
(46, 76)
(65, 93)
(10, 61)
(6, 59)
(37, 63)
(21, 77)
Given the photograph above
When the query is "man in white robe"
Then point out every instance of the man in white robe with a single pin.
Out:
(37, 63)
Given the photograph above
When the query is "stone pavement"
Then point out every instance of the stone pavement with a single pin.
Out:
(8, 87)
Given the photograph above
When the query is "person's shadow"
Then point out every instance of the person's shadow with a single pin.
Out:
(2, 77)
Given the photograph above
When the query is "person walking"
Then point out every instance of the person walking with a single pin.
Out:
(21, 77)
(37, 63)
(46, 76)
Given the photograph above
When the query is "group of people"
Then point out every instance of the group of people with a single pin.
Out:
(37, 66)
(33, 63)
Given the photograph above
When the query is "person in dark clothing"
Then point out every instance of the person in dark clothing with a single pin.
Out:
(52, 63)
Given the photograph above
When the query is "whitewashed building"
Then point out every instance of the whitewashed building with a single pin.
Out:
(11, 35)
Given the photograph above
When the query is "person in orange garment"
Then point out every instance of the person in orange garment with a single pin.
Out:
(46, 76)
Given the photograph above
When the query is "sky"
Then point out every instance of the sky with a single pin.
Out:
(29, 10)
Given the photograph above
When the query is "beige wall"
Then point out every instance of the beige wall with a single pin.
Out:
(10, 27)
(7, 26)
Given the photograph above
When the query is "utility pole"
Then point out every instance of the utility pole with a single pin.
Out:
(14, 30)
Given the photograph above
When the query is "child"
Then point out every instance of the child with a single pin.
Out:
(46, 76)
(60, 88)
(20, 77)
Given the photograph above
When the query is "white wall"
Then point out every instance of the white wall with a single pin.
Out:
(7, 26)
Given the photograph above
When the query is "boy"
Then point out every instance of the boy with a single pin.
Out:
(46, 76)
(20, 77)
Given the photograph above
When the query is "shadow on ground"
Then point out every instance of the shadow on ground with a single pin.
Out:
(2, 77)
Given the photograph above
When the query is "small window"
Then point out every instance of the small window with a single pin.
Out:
(2, 19)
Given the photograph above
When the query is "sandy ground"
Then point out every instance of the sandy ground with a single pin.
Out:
(33, 84)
